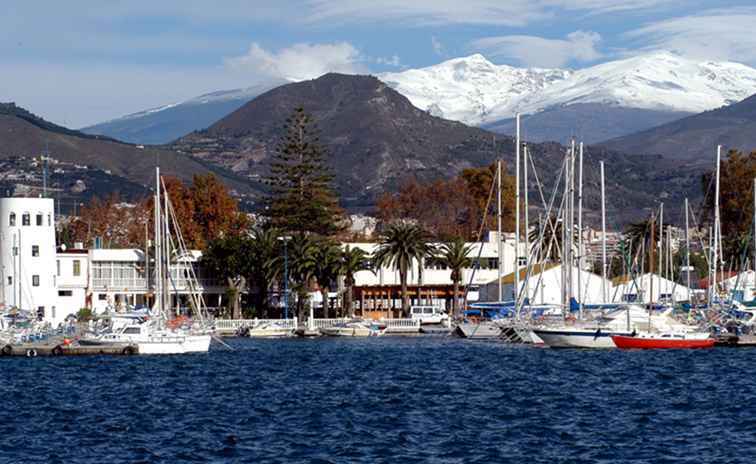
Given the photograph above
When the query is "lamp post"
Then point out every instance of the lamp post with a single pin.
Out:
(285, 240)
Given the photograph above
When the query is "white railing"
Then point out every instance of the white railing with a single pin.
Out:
(232, 325)
(325, 323)
(111, 283)
(401, 325)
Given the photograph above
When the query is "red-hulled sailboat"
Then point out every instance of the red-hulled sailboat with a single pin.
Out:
(651, 340)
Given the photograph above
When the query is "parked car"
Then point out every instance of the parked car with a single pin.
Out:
(428, 314)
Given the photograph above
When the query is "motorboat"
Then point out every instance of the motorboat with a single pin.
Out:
(270, 329)
(355, 328)
(658, 340)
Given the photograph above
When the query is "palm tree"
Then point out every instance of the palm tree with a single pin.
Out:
(327, 257)
(353, 260)
(454, 256)
(400, 245)
(264, 248)
(301, 251)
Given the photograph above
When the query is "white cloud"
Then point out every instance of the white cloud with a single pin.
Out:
(438, 47)
(298, 62)
(726, 34)
(498, 12)
(579, 46)
(394, 61)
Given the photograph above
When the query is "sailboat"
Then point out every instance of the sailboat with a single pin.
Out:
(584, 332)
(157, 333)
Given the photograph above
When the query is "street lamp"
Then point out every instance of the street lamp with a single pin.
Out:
(285, 240)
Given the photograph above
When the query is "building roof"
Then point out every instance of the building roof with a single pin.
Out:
(121, 254)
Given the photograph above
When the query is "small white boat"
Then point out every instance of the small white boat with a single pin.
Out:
(270, 330)
(479, 330)
(354, 328)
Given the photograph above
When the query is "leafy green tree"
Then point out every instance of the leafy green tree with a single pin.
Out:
(353, 260)
(265, 247)
(455, 256)
(301, 195)
(228, 257)
(400, 245)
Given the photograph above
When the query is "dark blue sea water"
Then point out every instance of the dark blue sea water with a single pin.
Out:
(385, 399)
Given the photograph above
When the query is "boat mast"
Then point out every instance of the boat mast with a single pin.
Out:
(517, 215)
(525, 156)
(580, 230)
(715, 251)
(651, 250)
(166, 255)
(571, 230)
(565, 247)
(498, 229)
(661, 248)
(158, 247)
(687, 246)
(603, 236)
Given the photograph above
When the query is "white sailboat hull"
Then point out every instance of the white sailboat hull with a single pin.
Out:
(484, 330)
(577, 338)
(174, 344)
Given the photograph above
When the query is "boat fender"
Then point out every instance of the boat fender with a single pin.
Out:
(128, 351)
(7, 350)
(57, 351)
(31, 353)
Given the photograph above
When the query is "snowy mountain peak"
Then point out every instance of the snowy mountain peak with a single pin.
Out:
(475, 91)
(468, 89)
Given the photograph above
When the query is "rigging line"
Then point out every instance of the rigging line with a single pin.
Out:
(543, 198)
(476, 265)
(540, 239)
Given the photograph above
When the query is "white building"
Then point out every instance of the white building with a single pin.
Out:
(27, 256)
(741, 286)
(54, 284)
(72, 272)
(118, 278)
(545, 287)
(430, 282)
(649, 288)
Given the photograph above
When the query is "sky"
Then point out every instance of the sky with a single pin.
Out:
(80, 62)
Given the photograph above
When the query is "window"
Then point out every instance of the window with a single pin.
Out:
(131, 331)
(40, 313)
(10, 280)
(49, 220)
(25, 219)
(39, 219)
(102, 297)
(65, 292)
(12, 219)
(76, 268)
(35, 281)
(57, 267)
(35, 250)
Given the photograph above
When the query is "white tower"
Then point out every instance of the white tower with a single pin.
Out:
(28, 256)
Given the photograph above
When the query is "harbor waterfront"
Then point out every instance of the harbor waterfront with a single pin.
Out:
(384, 399)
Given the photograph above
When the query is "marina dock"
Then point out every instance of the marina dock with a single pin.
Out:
(33, 350)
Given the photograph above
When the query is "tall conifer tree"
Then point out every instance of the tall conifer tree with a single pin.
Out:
(301, 195)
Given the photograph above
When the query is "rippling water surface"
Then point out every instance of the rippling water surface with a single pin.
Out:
(382, 400)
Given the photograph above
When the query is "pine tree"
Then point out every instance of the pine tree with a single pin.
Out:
(301, 196)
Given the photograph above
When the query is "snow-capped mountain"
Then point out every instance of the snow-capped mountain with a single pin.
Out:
(471, 90)
(166, 123)
(476, 91)
(660, 81)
